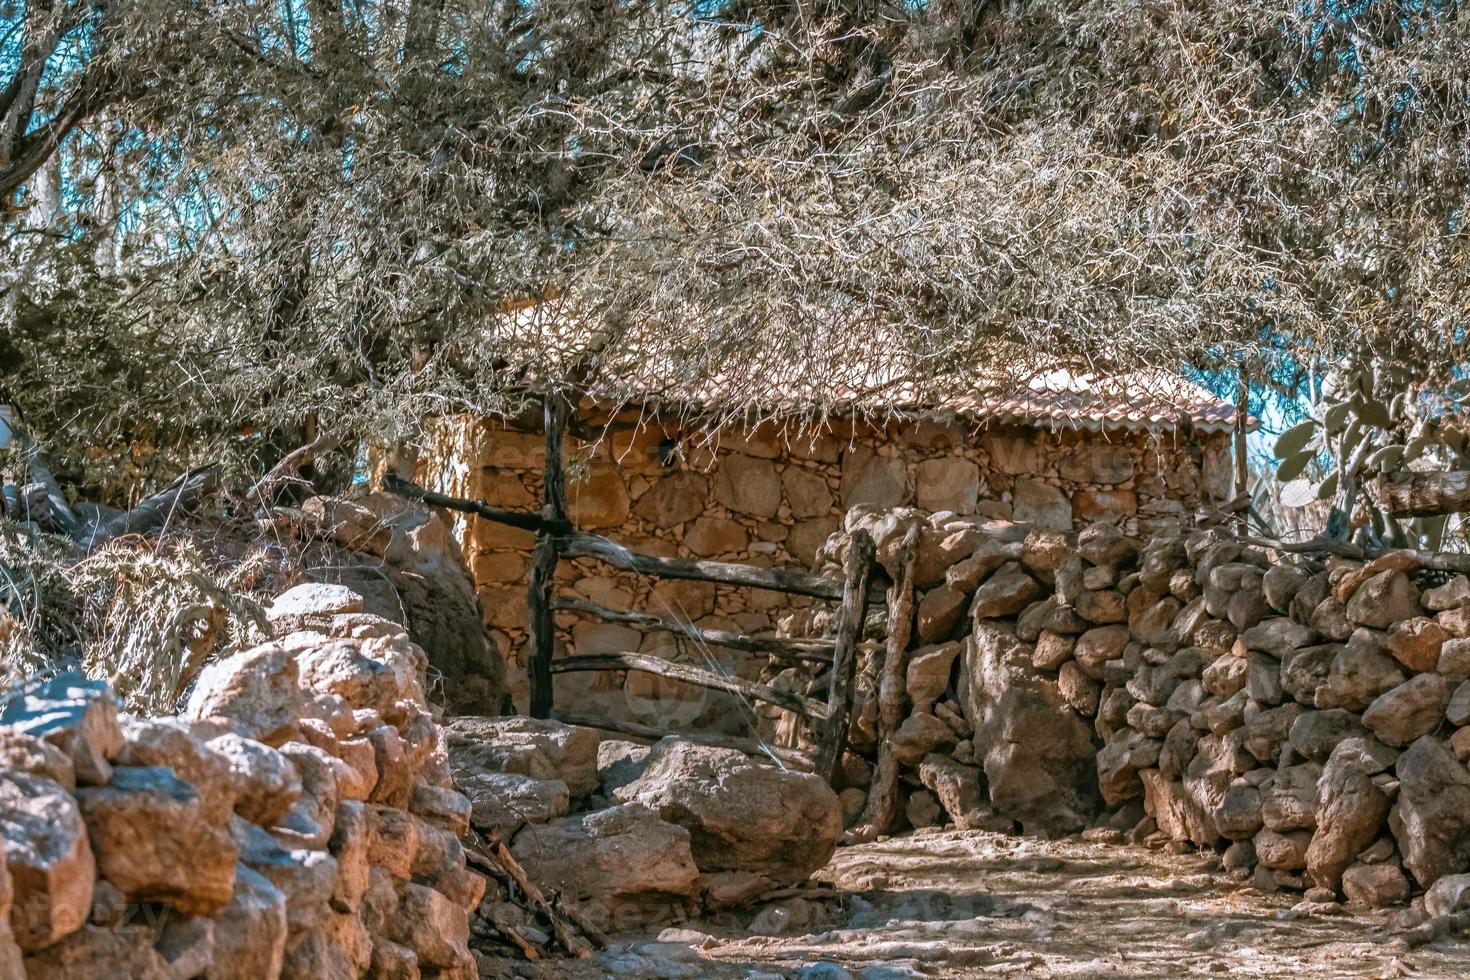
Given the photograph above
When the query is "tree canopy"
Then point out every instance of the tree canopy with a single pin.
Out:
(240, 216)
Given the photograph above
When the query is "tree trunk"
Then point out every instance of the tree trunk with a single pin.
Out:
(1425, 494)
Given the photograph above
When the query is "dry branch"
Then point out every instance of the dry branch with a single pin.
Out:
(1425, 494)
(849, 630)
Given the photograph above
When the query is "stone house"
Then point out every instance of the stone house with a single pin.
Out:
(1140, 451)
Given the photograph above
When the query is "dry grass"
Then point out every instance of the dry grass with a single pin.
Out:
(146, 614)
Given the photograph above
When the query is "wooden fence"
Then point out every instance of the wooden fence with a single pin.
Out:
(558, 539)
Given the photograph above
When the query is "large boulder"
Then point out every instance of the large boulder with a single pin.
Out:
(1350, 812)
(1431, 817)
(159, 840)
(622, 864)
(1039, 756)
(1412, 709)
(741, 815)
(50, 863)
(255, 691)
(529, 746)
(249, 932)
(73, 713)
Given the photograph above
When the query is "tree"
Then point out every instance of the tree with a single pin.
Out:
(339, 213)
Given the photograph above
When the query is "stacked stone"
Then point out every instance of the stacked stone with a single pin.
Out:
(772, 496)
(1310, 718)
(297, 820)
(1304, 716)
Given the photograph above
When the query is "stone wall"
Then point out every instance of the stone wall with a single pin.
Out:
(297, 820)
(773, 496)
(1309, 718)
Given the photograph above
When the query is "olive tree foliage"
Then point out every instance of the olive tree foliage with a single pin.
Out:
(283, 218)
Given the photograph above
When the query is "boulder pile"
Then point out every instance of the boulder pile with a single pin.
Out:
(298, 819)
(636, 834)
(1308, 717)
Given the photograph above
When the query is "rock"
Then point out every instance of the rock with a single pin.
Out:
(1081, 692)
(49, 862)
(309, 821)
(880, 482)
(1458, 709)
(338, 947)
(191, 867)
(1304, 671)
(73, 713)
(1315, 734)
(1038, 756)
(1281, 584)
(1102, 606)
(186, 943)
(1040, 504)
(250, 931)
(948, 483)
(957, 787)
(917, 736)
(1350, 812)
(1263, 679)
(1226, 676)
(435, 929)
(1277, 637)
(929, 670)
(1330, 619)
(1238, 816)
(1119, 763)
(497, 743)
(1383, 600)
(1097, 646)
(1452, 595)
(1005, 593)
(95, 953)
(618, 864)
(1282, 851)
(1454, 658)
(1416, 642)
(317, 600)
(256, 691)
(939, 612)
(1375, 885)
(1431, 817)
(34, 756)
(1289, 802)
(741, 816)
(503, 801)
(1104, 544)
(1177, 812)
(708, 536)
(172, 744)
(376, 673)
(1267, 731)
(748, 485)
(268, 782)
(1358, 674)
(1448, 895)
(1051, 650)
(922, 810)
(619, 763)
(676, 498)
(1409, 711)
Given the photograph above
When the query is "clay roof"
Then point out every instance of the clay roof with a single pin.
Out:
(873, 378)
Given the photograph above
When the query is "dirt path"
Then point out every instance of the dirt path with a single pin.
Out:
(970, 904)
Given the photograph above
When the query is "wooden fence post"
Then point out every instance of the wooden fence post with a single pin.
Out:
(544, 559)
(849, 630)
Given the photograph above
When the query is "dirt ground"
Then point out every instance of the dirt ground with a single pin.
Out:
(971, 904)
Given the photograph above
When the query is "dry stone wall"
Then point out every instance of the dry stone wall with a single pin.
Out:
(1306, 717)
(297, 820)
(773, 496)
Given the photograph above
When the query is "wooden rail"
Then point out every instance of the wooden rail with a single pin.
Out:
(800, 648)
(697, 676)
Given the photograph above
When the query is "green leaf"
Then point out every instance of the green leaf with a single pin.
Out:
(1335, 419)
(1327, 488)
(1373, 412)
(1295, 439)
(1298, 493)
(1293, 466)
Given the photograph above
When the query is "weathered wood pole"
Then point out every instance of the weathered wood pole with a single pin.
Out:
(1425, 494)
(860, 554)
(881, 808)
(544, 558)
